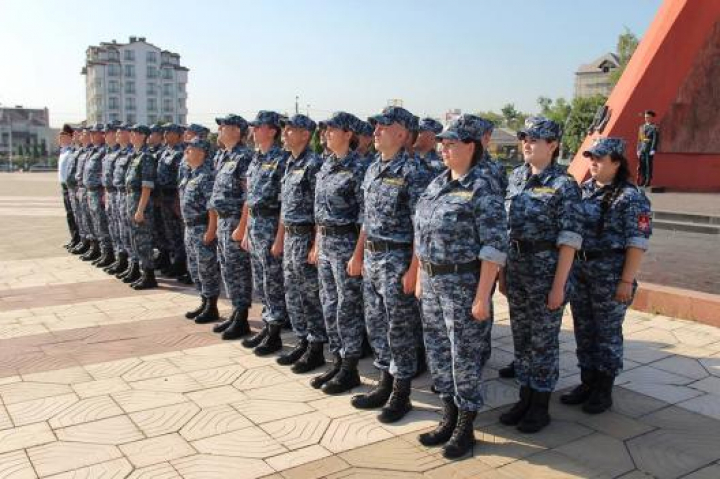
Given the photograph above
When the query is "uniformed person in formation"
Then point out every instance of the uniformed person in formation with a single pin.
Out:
(160, 242)
(92, 179)
(460, 239)
(616, 219)
(200, 229)
(228, 201)
(544, 229)
(67, 145)
(139, 183)
(426, 145)
(127, 259)
(338, 252)
(110, 194)
(264, 237)
(74, 165)
(168, 167)
(90, 149)
(298, 219)
(648, 140)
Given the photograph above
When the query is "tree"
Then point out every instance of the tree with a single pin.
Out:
(557, 110)
(494, 117)
(514, 119)
(626, 45)
(579, 120)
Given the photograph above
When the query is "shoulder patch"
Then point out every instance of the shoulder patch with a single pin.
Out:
(644, 222)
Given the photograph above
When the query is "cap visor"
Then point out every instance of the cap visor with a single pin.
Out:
(447, 135)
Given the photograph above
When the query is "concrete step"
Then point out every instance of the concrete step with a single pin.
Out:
(686, 226)
(674, 216)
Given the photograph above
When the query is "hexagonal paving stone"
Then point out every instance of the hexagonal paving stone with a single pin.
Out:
(156, 450)
(250, 442)
(202, 466)
(298, 431)
(164, 420)
(61, 456)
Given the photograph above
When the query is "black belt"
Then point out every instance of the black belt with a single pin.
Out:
(263, 211)
(200, 220)
(299, 229)
(381, 246)
(223, 216)
(584, 255)
(529, 247)
(94, 188)
(433, 269)
(330, 230)
(168, 191)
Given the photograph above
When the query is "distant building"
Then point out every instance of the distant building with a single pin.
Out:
(452, 115)
(25, 131)
(594, 78)
(134, 82)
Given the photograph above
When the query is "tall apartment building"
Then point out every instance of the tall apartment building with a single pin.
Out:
(134, 82)
(594, 78)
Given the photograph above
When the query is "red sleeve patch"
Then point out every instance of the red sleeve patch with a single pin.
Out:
(644, 222)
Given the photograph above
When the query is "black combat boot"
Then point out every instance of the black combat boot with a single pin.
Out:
(377, 396)
(399, 404)
(600, 399)
(107, 260)
(146, 281)
(582, 392)
(102, 256)
(463, 437)
(311, 360)
(272, 342)
(508, 372)
(223, 325)
(133, 273)
(194, 313)
(81, 248)
(318, 381)
(113, 268)
(126, 271)
(210, 313)
(239, 327)
(444, 430)
(93, 253)
(537, 417)
(513, 416)
(347, 378)
(255, 339)
(294, 355)
(162, 263)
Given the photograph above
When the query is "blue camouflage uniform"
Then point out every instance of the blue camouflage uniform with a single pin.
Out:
(228, 198)
(458, 224)
(108, 168)
(339, 212)
(122, 162)
(263, 199)
(302, 287)
(141, 174)
(615, 217)
(391, 190)
(71, 183)
(82, 197)
(431, 159)
(543, 214)
(92, 178)
(166, 184)
(200, 132)
(196, 189)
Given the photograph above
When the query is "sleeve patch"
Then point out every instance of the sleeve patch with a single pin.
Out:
(644, 222)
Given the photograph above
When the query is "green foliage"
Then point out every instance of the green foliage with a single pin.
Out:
(494, 117)
(579, 120)
(557, 110)
(315, 142)
(513, 118)
(626, 45)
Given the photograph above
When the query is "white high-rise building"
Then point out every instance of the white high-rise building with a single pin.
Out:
(134, 82)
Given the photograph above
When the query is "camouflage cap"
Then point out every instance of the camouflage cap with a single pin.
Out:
(540, 128)
(198, 129)
(200, 144)
(142, 129)
(340, 119)
(430, 124)
(174, 128)
(266, 117)
(156, 128)
(97, 128)
(233, 120)
(125, 127)
(112, 126)
(395, 114)
(363, 128)
(299, 121)
(465, 128)
(605, 146)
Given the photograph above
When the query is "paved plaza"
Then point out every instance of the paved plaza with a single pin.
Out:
(100, 381)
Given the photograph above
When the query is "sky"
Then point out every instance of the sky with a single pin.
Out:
(334, 55)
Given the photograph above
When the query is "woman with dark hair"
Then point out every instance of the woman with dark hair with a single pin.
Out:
(616, 234)
(460, 239)
(545, 230)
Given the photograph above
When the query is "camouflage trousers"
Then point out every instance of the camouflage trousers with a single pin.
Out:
(159, 238)
(302, 289)
(111, 214)
(96, 203)
(267, 269)
(535, 328)
(124, 226)
(457, 345)
(84, 213)
(340, 295)
(234, 264)
(173, 225)
(391, 316)
(597, 317)
(141, 236)
(202, 261)
(75, 208)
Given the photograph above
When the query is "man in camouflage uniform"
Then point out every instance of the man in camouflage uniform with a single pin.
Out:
(128, 264)
(426, 145)
(110, 199)
(301, 278)
(79, 138)
(200, 228)
(139, 183)
(169, 160)
(228, 202)
(82, 195)
(391, 187)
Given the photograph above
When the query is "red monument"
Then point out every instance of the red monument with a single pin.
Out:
(675, 71)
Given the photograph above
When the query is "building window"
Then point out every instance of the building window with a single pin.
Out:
(98, 83)
(167, 74)
(152, 104)
(130, 88)
(113, 86)
(113, 55)
(130, 71)
(181, 103)
(113, 103)
(152, 119)
(151, 57)
(167, 104)
(114, 117)
(168, 118)
(129, 56)
(114, 70)
(130, 103)
(152, 72)
(130, 118)
(167, 89)
(181, 87)
(181, 119)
